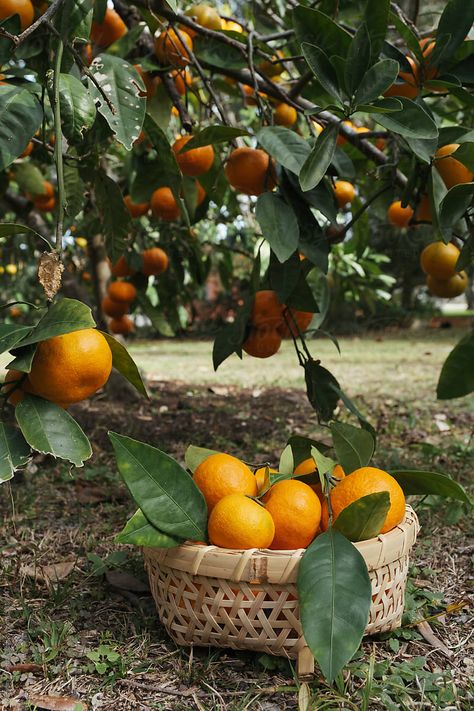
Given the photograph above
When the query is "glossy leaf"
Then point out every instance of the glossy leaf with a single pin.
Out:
(162, 489)
(278, 223)
(324, 464)
(376, 18)
(128, 42)
(358, 59)
(10, 335)
(321, 394)
(457, 374)
(116, 220)
(407, 34)
(316, 28)
(456, 21)
(229, 339)
(323, 70)
(425, 483)
(23, 358)
(466, 256)
(75, 190)
(301, 448)
(64, 316)
(13, 228)
(286, 464)
(376, 80)
(354, 446)
(195, 455)
(166, 158)
(14, 451)
(364, 518)
(453, 206)
(75, 19)
(77, 107)
(122, 85)
(124, 363)
(51, 430)
(319, 160)
(465, 154)
(20, 116)
(140, 532)
(334, 593)
(285, 146)
(218, 54)
(212, 135)
(411, 121)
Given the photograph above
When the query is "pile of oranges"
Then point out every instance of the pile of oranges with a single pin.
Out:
(270, 321)
(438, 260)
(247, 511)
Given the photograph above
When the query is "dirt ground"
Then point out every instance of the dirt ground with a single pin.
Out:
(94, 638)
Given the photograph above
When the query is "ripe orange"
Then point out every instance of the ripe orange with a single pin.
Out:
(114, 309)
(231, 26)
(164, 205)
(70, 368)
(447, 288)
(121, 268)
(249, 92)
(136, 209)
(204, 15)
(308, 466)
(14, 312)
(250, 171)
(285, 115)
(149, 81)
(439, 260)
(111, 29)
(344, 192)
(452, 171)
(155, 261)
(409, 84)
(182, 79)
(423, 211)
(171, 49)
(23, 8)
(398, 215)
(196, 161)
(362, 482)
(122, 291)
(16, 383)
(45, 205)
(45, 195)
(262, 342)
(27, 150)
(239, 522)
(288, 328)
(123, 325)
(273, 68)
(296, 513)
(267, 310)
(222, 474)
(262, 478)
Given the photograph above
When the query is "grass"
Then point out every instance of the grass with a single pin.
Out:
(87, 637)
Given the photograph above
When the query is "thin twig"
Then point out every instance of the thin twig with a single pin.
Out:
(42, 19)
(173, 93)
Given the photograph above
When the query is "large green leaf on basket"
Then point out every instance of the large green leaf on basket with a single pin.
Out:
(364, 518)
(195, 455)
(51, 430)
(140, 532)
(122, 85)
(354, 446)
(334, 594)
(124, 363)
(64, 316)
(414, 481)
(457, 374)
(163, 490)
(20, 116)
(14, 451)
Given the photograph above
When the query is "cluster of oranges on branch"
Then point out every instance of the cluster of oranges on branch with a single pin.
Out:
(247, 511)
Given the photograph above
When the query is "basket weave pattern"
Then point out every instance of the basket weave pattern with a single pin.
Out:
(248, 599)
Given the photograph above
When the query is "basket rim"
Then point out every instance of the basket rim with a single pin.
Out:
(274, 566)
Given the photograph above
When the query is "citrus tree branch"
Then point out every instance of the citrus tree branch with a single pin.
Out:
(42, 19)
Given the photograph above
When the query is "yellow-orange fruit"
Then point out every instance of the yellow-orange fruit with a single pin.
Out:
(155, 261)
(173, 49)
(296, 513)
(114, 309)
(122, 325)
(122, 291)
(262, 342)
(164, 205)
(121, 268)
(398, 215)
(241, 523)
(194, 162)
(285, 115)
(447, 288)
(111, 29)
(136, 209)
(452, 171)
(439, 260)
(250, 171)
(344, 192)
(23, 8)
(222, 474)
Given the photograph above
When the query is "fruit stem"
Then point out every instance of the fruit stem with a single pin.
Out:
(58, 153)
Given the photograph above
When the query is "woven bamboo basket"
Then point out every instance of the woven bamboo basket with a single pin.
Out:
(248, 600)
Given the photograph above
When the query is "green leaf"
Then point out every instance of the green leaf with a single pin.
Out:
(408, 35)
(454, 205)
(376, 18)
(457, 374)
(124, 363)
(411, 122)
(122, 85)
(163, 490)
(324, 464)
(14, 451)
(20, 117)
(13, 228)
(64, 316)
(77, 108)
(358, 59)
(423, 148)
(128, 42)
(75, 20)
(116, 220)
(376, 80)
(354, 446)
(364, 518)
(316, 28)
(335, 594)
(465, 154)
(323, 70)
(231, 336)
(456, 21)
(168, 164)
(10, 335)
(23, 358)
(217, 54)
(29, 178)
(278, 223)
(51, 430)
(319, 160)
(140, 532)
(286, 465)
(467, 254)
(285, 146)
(425, 483)
(195, 455)
(212, 135)
(321, 394)
(301, 448)
(75, 190)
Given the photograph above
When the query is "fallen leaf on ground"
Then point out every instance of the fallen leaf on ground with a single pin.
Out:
(57, 703)
(125, 581)
(429, 636)
(91, 494)
(24, 668)
(49, 573)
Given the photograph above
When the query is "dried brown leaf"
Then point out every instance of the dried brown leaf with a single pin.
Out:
(50, 269)
(24, 668)
(429, 636)
(57, 703)
(125, 581)
(49, 573)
